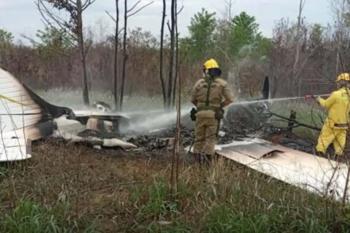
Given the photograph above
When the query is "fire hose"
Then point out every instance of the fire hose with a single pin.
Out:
(292, 122)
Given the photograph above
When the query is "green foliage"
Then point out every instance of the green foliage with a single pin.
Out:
(158, 205)
(239, 37)
(53, 41)
(3, 171)
(201, 34)
(244, 32)
(29, 217)
(263, 46)
(316, 36)
(5, 37)
(153, 215)
(185, 45)
(223, 219)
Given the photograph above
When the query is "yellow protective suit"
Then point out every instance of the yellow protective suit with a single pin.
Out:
(335, 127)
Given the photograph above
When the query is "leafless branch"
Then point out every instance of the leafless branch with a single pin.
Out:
(87, 4)
(114, 20)
(46, 15)
(120, 31)
(133, 6)
(31, 40)
(180, 10)
(168, 25)
(72, 2)
(111, 16)
(303, 65)
(87, 47)
(140, 9)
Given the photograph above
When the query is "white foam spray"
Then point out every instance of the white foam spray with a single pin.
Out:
(153, 120)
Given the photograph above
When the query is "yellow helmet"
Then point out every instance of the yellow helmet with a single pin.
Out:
(343, 76)
(210, 64)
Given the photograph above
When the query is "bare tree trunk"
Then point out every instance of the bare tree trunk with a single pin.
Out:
(116, 43)
(172, 55)
(127, 13)
(1, 54)
(176, 57)
(340, 37)
(82, 52)
(337, 64)
(339, 61)
(229, 6)
(162, 54)
(298, 47)
(73, 25)
(125, 55)
(176, 152)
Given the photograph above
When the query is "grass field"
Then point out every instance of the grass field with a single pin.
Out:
(67, 188)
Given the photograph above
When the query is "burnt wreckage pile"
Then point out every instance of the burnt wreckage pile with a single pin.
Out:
(240, 122)
(256, 120)
(39, 119)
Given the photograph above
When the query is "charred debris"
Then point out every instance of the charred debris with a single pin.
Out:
(240, 122)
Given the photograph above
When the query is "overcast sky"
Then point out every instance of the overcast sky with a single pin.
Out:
(21, 16)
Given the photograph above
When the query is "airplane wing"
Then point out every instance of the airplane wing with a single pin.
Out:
(322, 176)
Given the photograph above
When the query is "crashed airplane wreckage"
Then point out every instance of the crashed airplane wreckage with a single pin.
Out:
(26, 117)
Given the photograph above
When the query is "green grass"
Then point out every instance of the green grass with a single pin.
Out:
(3, 172)
(222, 219)
(226, 198)
(158, 204)
(29, 217)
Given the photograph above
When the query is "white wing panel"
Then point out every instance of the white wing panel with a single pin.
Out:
(17, 109)
(13, 146)
(18, 112)
(310, 172)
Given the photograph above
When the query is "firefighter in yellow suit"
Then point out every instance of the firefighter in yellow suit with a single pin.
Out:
(337, 122)
(210, 95)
